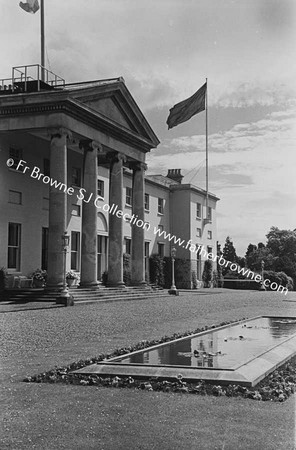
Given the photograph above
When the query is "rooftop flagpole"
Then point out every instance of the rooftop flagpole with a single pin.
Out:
(42, 31)
(207, 151)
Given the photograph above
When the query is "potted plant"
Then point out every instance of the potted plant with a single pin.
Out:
(39, 278)
(71, 278)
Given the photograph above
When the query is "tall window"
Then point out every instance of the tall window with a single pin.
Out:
(44, 251)
(15, 197)
(198, 232)
(100, 190)
(127, 242)
(16, 154)
(101, 255)
(75, 250)
(76, 176)
(198, 210)
(46, 167)
(147, 202)
(14, 246)
(160, 206)
(128, 196)
(160, 249)
(198, 266)
(210, 234)
(147, 260)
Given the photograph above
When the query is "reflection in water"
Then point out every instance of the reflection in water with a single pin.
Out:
(227, 348)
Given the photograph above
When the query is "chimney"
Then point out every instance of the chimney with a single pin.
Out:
(175, 174)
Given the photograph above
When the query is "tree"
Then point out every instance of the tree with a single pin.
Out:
(229, 252)
(282, 245)
(207, 274)
(256, 254)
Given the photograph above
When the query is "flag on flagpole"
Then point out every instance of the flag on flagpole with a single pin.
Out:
(184, 110)
(31, 6)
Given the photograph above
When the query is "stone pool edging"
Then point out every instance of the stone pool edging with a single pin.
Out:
(277, 386)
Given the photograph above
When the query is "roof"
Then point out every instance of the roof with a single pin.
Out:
(173, 185)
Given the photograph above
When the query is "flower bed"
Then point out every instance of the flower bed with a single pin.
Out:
(277, 386)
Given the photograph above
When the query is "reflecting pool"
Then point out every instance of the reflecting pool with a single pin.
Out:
(226, 348)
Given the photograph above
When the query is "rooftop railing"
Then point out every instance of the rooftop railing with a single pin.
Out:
(32, 77)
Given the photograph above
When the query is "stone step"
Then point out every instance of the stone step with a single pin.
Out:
(86, 295)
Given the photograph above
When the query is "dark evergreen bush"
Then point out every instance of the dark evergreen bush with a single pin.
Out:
(156, 270)
(207, 274)
(3, 279)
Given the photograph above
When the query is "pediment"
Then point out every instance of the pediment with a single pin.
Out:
(115, 102)
(109, 108)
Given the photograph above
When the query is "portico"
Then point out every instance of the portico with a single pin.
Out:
(100, 124)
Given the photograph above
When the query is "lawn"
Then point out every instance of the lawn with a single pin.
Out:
(55, 416)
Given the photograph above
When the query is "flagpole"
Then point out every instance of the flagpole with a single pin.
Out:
(42, 39)
(207, 151)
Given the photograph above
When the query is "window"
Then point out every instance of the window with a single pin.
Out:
(147, 202)
(160, 205)
(198, 210)
(210, 235)
(45, 203)
(14, 246)
(75, 247)
(127, 242)
(209, 249)
(76, 210)
(15, 197)
(160, 227)
(16, 154)
(44, 251)
(46, 167)
(128, 196)
(100, 190)
(209, 213)
(160, 249)
(76, 176)
(198, 266)
(147, 260)
(198, 232)
(101, 255)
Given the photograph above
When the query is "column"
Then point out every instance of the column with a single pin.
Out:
(88, 272)
(115, 253)
(138, 245)
(57, 207)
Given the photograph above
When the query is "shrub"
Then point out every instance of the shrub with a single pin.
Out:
(194, 279)
(105, 278)
(156, 270)
(39, 275)
(207, 274)
(278, 277)
(127, 269)
(3, 279)
(183, 277)
(215, 279)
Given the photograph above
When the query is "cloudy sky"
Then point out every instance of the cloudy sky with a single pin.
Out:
(165, 49)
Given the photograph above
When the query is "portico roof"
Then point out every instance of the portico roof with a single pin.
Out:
(92, 109)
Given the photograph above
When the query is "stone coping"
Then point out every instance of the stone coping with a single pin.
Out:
(248, 374)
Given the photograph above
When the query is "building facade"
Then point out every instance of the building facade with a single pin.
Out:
(72, 159)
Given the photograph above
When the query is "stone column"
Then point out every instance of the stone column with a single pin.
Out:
(138, 246)
(115, 253)
(88, 272)
(57, 207)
